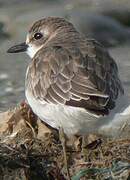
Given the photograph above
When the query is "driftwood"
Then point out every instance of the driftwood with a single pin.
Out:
(30, 150)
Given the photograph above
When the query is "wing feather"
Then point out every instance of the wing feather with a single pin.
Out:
(60, 93)
(65, 87)
(55, 96)
(86, 77)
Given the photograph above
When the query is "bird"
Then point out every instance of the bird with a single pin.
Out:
(72, 82)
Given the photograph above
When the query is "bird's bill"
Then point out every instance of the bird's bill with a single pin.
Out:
(18, 48)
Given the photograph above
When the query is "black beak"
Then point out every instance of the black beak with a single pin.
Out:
(18, 48)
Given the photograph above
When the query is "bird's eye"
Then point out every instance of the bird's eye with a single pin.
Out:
(38, 36)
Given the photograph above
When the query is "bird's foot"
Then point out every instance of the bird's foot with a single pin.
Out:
(63, 142)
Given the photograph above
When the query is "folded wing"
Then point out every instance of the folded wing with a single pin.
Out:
(85, 77)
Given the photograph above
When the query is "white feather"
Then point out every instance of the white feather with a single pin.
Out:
(32, 50)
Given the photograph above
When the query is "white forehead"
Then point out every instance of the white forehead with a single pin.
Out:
(27, 39)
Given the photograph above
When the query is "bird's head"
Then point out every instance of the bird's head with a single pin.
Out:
(42, 32)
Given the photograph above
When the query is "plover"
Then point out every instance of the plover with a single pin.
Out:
(72, 82)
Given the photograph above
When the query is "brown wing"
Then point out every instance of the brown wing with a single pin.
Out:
(86, 77)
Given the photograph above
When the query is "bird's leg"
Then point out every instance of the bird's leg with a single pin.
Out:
(63, 142)
(84, 149)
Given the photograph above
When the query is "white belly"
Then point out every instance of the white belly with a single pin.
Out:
(72, 119)
(77, 120)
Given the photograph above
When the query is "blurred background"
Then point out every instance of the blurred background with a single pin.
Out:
(106, 21)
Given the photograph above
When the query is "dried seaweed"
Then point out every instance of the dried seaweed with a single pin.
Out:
(31, 150)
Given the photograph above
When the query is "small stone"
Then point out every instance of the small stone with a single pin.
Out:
(9, 89)
(4, 76)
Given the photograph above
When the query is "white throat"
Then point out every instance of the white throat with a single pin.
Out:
(32, 50)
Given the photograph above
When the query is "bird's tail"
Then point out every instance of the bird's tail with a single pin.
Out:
(117, 124)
